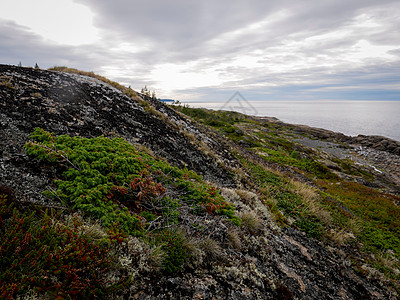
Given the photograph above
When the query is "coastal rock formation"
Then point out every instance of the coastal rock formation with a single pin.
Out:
(372, 141)
(258, 260)
(378, 142)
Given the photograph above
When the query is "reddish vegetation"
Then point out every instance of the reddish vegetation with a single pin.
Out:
(42, 253)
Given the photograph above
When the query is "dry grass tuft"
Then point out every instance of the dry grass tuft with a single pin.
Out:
(355, 226)
(311, 200)
(91, 228)
(251, 222)
(339, 237)
(6, 81)
(127, 91)
(234, 240)
(140, 256)
(269, 191)
(145, 149)
(210, 247)
(247, 197)
(389, 260)
(37, 95)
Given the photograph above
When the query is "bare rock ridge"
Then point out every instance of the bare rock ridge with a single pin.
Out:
(269, 263)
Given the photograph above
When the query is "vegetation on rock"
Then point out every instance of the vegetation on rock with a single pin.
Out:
(118, 220)
(335, 210)
(50, 255)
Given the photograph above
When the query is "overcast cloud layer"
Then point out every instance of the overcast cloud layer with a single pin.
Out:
(206, 50)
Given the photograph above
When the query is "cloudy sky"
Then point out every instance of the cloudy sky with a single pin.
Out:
(207, 50)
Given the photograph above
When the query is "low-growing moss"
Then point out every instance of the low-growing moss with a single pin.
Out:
(347, 166)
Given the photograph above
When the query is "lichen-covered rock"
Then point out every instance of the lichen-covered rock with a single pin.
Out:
(258, 260)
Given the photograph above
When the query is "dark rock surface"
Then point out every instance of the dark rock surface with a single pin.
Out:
(378, 142)
(272, 263)
(78, 105)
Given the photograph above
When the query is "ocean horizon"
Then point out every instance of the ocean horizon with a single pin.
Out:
(348, 117)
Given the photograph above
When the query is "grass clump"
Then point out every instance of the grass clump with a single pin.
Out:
(6, 82)
(176, 246)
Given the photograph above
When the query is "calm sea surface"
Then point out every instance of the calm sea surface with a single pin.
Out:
(349, 117)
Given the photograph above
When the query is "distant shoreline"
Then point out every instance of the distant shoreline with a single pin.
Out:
(351, 118)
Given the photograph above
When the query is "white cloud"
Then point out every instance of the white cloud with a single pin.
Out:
(170, 77)
(61, 21)
(364, 52)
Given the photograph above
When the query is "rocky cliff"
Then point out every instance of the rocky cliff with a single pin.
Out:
(267, 218)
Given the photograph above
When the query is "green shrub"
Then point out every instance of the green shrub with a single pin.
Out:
(290, 203)
(378, 216)
(378, 239)
(312, 167)
(110, 180)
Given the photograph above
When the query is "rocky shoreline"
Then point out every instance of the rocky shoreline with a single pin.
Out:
(376, 142)
(380, 155)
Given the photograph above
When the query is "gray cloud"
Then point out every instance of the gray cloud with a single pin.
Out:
(170, 22)
(266, 48)
(19, 44)
(173, 27)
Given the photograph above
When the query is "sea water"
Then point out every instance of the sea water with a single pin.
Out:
(348, 117)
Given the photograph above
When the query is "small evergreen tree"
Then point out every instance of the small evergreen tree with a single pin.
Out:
(144, 90)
